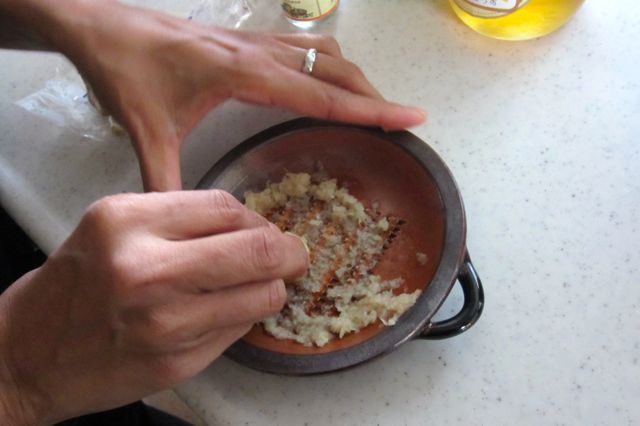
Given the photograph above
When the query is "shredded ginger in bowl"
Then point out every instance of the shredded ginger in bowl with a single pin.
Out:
(339, 295)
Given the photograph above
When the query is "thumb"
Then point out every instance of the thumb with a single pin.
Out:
(159, 165)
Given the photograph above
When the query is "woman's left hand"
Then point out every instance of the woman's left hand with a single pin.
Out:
(159, 75)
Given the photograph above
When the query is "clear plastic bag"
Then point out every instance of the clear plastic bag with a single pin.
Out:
(224, 13)
(66, 102)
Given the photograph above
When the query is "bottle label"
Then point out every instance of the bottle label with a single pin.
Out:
(308, 10)
(490, 8)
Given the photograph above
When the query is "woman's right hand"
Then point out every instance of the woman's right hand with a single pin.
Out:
(145, 293)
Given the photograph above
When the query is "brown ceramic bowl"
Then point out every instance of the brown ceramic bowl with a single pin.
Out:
(406, 178)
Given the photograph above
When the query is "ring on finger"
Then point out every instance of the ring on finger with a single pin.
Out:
(309, 61)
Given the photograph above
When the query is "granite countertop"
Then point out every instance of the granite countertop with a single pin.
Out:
(543, 138)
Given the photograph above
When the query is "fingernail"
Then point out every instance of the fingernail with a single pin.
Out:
(303, 273)
(304, 241)
(419, 113)
(274, 227)
(409, 116)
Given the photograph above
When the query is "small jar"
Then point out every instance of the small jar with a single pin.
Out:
(306, 13)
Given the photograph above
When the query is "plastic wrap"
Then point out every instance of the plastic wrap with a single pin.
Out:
(224, 13)
(66, 104)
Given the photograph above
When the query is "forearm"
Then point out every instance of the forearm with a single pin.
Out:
(47, 25)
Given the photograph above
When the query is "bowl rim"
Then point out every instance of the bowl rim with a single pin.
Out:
(412, 322)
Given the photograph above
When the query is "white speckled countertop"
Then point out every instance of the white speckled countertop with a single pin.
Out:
(544, 140)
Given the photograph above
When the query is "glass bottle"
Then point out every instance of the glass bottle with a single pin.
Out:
(306, 13)
(515, 19)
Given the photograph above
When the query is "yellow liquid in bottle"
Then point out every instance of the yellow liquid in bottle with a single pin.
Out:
(534, 19)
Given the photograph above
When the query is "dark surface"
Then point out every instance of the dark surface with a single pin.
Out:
(137, 414)
(18, 255)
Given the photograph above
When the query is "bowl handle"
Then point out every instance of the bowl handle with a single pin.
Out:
(471, 309)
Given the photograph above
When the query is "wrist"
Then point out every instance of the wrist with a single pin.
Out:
(70, 32)
(52, 25)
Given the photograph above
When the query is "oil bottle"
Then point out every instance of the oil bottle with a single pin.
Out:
(515, 19)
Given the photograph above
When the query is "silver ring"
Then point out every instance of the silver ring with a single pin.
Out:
(309, 60)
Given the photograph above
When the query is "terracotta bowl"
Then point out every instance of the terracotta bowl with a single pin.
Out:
(407, 179)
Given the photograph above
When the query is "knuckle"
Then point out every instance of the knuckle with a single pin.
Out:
(252, 62)
(122, 269)
(98, 212)
(168, 370)
(268, 39)
(267, 250)
(146, 329)
(330, 106)
(108, 210)
(225, 207)
(354, 70)
(155, 324)
(329, 43)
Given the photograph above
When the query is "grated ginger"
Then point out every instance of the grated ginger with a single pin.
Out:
(339, 295)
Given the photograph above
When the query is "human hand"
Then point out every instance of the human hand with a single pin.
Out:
(146, 292)
(159, 75)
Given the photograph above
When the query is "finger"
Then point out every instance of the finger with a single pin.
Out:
(344, 74)
(245, 256)
(322, 43)
(200, 213)
(183, 215)
(296, 91)
(336, 71)
(159, 164)
(238, 305)
(178, 365)
(227, 307)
